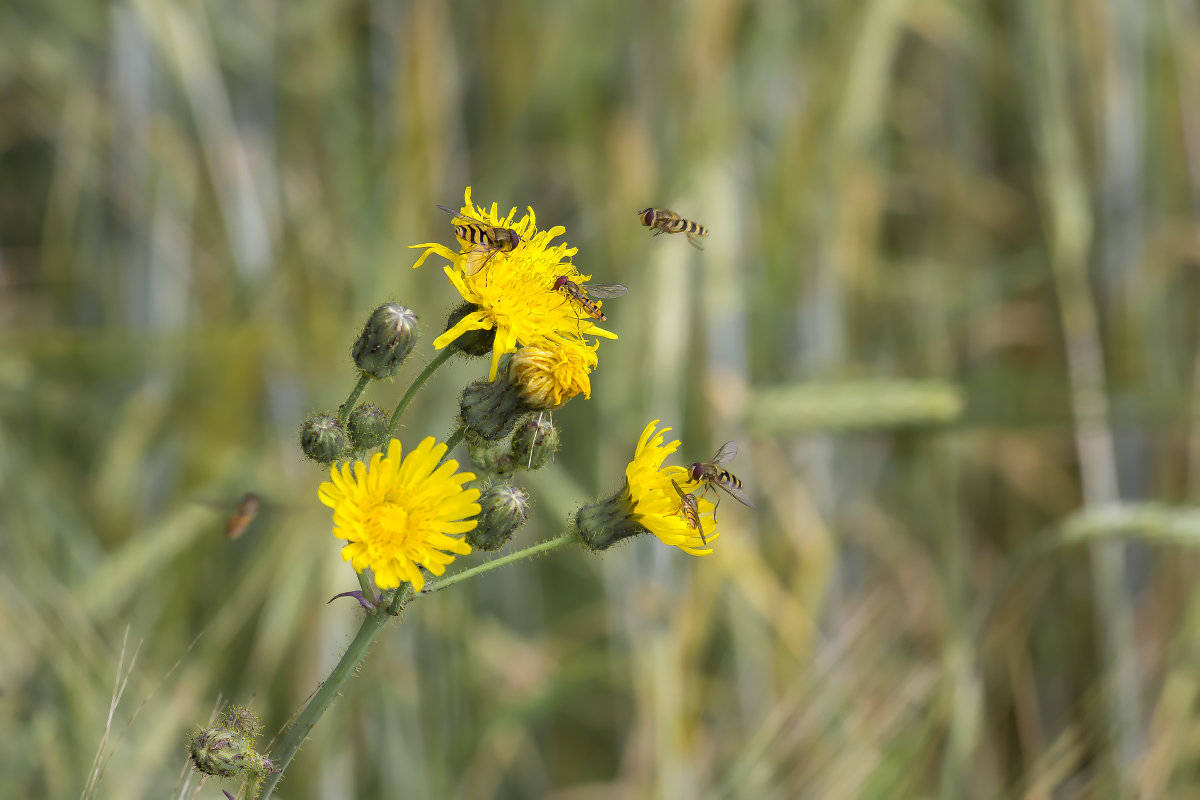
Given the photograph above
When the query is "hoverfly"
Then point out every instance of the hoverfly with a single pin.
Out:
(690, 511)
(711, 473)
(664, 220)
(243, 514)
(483, 237)
(578, 293)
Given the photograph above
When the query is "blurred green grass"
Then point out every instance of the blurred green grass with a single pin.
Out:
(199, 204)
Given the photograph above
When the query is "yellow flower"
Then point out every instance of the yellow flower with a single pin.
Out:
(399, 515)
(649, 502)
(514, 291)
(548, 378)
(656, 504)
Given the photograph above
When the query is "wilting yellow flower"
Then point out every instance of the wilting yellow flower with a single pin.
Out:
(546, 379)
(656, 504)
(514, 291)
(649, 502)
(401, 514)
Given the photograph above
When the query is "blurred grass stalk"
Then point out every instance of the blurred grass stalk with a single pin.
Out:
(853, 405)
(1065, 204)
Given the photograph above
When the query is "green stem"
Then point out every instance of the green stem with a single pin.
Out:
(294, 737)
(355, 393)
(430, 368)
(455, 439)
(474, 572)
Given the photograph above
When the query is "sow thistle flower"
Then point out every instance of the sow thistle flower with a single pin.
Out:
(513, 292)
(649, 502)
(399, 515)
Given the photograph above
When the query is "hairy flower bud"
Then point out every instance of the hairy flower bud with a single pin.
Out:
(604, 523)
(490, 409)
(534, 443)
(220, 752)
(386, 340)
(367, 426)
(323, 439)
(505, 508)
(471, 343)
(489, 457)
(226, 750)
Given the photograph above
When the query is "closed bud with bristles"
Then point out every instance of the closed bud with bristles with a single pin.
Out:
(505, 508)
(534, 443)
(226, 750)
(489, 457)
(323, 439)
(386, 340)
(220, 752)
(604, 523)
(471, 343)
(367, 426)
(491, 409)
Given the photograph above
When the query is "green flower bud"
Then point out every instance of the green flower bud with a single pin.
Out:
(367, 426)
(226, 750)
(491, 409)
(534, 443)
(386, 340)
(505, 508)
(220, 752)
(604, 523)
(323, 439)
(488, 457)
(471, 343)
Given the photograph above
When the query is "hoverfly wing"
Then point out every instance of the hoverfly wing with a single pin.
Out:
(479, 257)
(605, 291)
(736, 492)
(727, 453)
(465, 216)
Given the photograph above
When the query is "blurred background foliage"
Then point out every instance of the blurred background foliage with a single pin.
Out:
(947, 308)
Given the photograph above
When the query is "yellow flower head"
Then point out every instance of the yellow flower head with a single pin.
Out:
(514, 290)
(546, 379)
(650, 502)
(656, 503)
(399, 515)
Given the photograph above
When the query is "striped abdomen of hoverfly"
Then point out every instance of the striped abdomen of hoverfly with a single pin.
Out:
(579, 294)
(478, 232)
(664, 220)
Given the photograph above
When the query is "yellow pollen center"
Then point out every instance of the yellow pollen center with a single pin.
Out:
(392, 524)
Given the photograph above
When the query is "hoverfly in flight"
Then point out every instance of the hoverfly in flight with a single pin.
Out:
(243, 514)
(664, 220)
(712, 473)
(578, 293)
(484, 238)
(691, 511)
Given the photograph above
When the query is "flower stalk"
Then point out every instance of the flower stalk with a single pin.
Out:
(294, 736)
(426, 374)
(348, 406)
